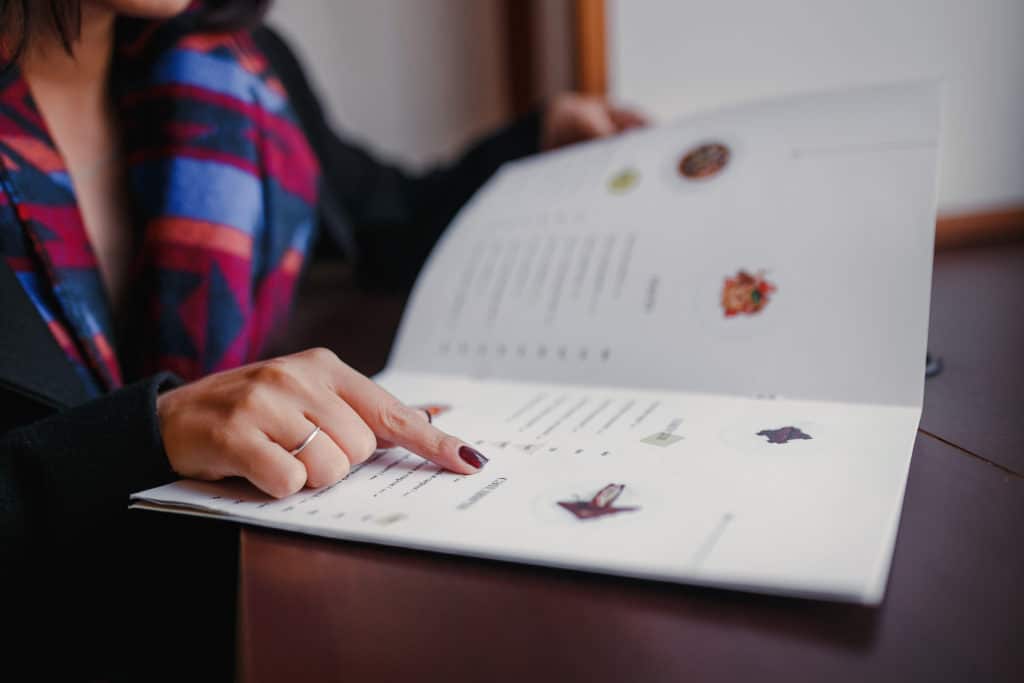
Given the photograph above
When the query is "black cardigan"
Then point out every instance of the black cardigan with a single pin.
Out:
(68, 465)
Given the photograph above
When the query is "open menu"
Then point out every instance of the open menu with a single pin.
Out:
(693, 353)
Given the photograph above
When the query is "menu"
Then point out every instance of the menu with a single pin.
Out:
(693, 353)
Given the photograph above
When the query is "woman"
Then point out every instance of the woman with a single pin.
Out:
(159, 192)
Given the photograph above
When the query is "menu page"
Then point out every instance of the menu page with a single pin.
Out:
(692, 353)
(792, 497)
(780, 249)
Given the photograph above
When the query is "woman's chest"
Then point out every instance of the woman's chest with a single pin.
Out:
(88, 140)
(105, 210)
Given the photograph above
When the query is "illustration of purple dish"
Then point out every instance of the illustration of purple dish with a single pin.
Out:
(783, 434)
(601, 505)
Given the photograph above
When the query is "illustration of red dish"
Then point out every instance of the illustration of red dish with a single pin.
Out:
(745, 293)
(601, 505)
(704, 161)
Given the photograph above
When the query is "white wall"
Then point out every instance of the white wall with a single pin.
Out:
(416, 79)
(679, 56)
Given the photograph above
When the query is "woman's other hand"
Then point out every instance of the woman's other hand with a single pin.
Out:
(245, 422)
(572, 117)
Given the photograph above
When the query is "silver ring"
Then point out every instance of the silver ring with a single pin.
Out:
(306, 442)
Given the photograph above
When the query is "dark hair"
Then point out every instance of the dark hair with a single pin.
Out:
(19, 18)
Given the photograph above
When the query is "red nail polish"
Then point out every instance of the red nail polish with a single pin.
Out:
(472, 457)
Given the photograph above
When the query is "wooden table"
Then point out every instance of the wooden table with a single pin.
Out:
(977, 328)
(327, 610)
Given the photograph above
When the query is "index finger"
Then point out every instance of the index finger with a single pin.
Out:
(392, 420)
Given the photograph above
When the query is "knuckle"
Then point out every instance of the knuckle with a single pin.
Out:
(316, 478)
(327, 472)
(285, 481)
(364, 443)
(321, 355)
(393, 416)
(340, 469)
(316, 473)
(294, 479)
(370, 442)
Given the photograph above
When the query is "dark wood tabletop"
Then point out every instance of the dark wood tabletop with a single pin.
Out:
(977, 329)
(316, 609)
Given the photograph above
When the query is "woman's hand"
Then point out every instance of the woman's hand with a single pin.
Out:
(572, 117)
(245, 422)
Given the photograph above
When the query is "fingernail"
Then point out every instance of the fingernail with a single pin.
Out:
(430, 418)
(472, 457)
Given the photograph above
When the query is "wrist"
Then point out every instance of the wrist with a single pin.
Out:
(164, 397)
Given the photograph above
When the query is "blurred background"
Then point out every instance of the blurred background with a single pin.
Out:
(417, 79)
